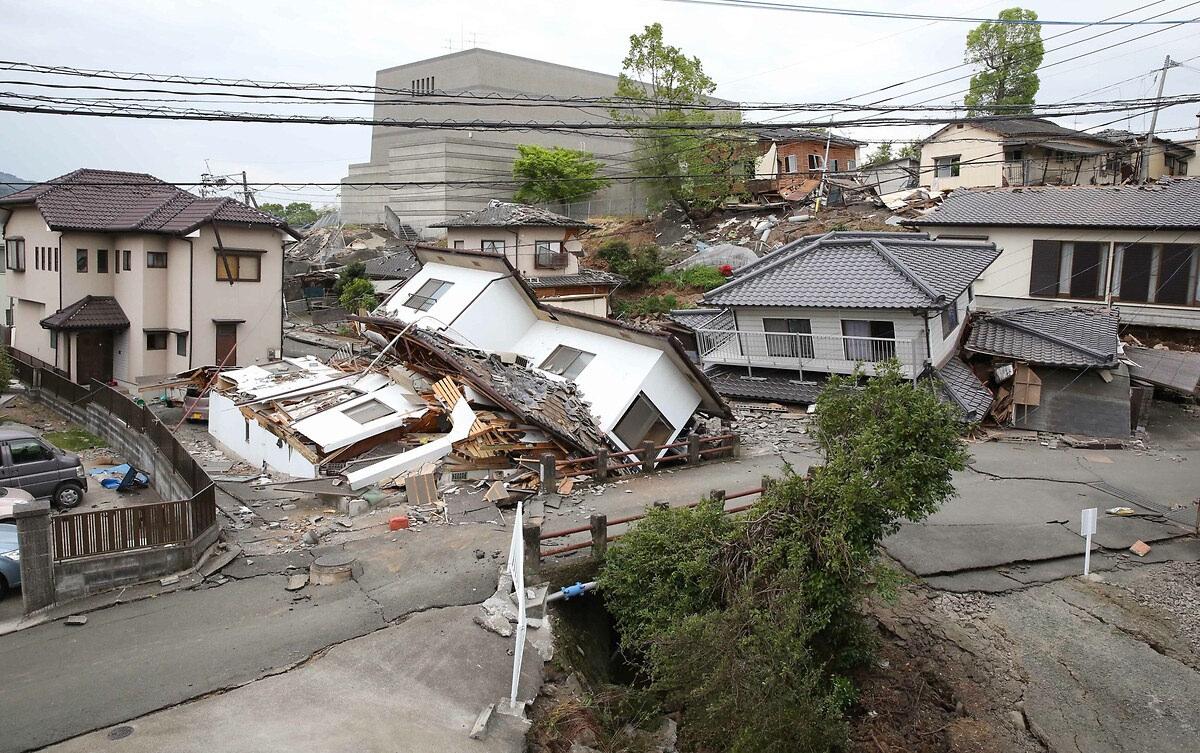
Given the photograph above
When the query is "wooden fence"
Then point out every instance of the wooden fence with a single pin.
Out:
(598, 527)
(84, 534)
(127, 529)
(648, 457)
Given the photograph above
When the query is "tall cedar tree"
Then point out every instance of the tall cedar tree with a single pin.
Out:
(1010, 55)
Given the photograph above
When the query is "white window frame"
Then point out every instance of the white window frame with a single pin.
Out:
(567, 362)
(428, 294)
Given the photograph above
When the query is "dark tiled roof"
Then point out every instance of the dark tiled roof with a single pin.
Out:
(1172, 203)
(399, 263)
(107, 201)
(893, 271)
(784, 135)
(766, 384)
(1015, 127)
(702, 318)
(1075, 336)
(1173, 369)
(89, 312)
(960, 387)
(595, 277)
(507, 214)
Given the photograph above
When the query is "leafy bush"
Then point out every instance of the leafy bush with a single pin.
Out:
(6, 369)
(355, 270)
(701, 278)
(646, 305)
(358, 294)
(752, 625)
(638, 265)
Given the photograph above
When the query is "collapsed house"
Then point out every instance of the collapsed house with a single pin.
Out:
(473, 373)
(1056, 370)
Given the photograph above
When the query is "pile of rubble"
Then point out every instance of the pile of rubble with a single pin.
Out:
(771, 428)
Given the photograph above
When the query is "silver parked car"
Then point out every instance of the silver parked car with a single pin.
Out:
(30, 463)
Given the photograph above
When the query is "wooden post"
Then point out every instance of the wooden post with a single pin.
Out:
(693, 449)
(601, 472)
(549, 484)
(649, 452)
(735, 443)
(717, 494)
(599, 536)
(532, 534)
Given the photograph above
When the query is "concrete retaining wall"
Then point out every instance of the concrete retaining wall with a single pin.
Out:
(73, 579)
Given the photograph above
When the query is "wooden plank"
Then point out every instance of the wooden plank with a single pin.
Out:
(422, 489)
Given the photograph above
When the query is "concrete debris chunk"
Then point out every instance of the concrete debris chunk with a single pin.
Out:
(496, 623)
(296, 582)
(77, 619)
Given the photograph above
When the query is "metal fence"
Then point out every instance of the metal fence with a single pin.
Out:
(83, 534)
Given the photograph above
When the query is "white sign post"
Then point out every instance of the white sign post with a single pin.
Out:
(1087, 529)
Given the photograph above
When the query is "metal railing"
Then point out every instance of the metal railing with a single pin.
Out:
(1031, 172)
(838, 353)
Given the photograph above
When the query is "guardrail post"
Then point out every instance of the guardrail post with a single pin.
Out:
(717, 495)
(649, 453)
(532, 534)
(599, 536)
(693, 449)
(735, 443)
(549, 482)
(34, 537)
(601, 471)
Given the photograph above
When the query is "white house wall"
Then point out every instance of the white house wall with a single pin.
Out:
(497, 319)
(332, 429)
(1005, 284)
(251, 442)
(980, 154)
(467, 285)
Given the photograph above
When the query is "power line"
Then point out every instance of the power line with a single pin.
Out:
(814, 9)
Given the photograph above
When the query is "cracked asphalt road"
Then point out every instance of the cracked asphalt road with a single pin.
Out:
(133, 659)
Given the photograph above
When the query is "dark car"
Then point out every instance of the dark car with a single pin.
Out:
(30, 463)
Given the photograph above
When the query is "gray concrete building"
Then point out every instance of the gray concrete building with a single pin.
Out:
(446, 156)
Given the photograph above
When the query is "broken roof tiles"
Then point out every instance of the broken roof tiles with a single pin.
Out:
(508, 214)
(1077, 336)
(961, 387)
(853, 270)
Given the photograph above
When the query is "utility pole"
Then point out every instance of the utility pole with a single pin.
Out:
(1144, 173)
(250, 200)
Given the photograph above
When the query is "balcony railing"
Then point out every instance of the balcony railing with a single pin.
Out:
(824, 353)
(1032, 172)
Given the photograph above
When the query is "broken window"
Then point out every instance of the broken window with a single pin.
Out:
(788, 338)
(814, 161)
(567, 361)
(549, 255)
(492, 247)
(946, 167)
(427, 295)
(949, 318)
(365, 413)
(642, 422)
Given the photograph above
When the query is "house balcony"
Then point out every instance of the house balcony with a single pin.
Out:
(1036, 172)
(829, 354)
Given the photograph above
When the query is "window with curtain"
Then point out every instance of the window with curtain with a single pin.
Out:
(788, 338)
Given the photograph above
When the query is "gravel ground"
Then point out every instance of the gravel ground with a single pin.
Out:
(1175, 589)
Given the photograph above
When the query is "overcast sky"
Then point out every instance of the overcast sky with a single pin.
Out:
(752, 54)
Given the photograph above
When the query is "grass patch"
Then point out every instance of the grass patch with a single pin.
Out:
(74, 439)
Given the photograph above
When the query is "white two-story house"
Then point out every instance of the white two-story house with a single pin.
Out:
(640, 384)
(826, 304)
(118, 276)
(543, 246)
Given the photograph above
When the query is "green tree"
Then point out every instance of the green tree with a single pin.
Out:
(355, 270)
(882, 153)
(772, 600)
(911, 150)
(686, 166)
(638, 265)
(6, 369)
(359, 293)
(1009, 56)
(296, 214)
(555, 174)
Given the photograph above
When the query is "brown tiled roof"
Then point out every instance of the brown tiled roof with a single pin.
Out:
(111, 201)
(89, 312)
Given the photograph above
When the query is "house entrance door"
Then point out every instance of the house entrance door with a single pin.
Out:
(93, 356)
(226, 343)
